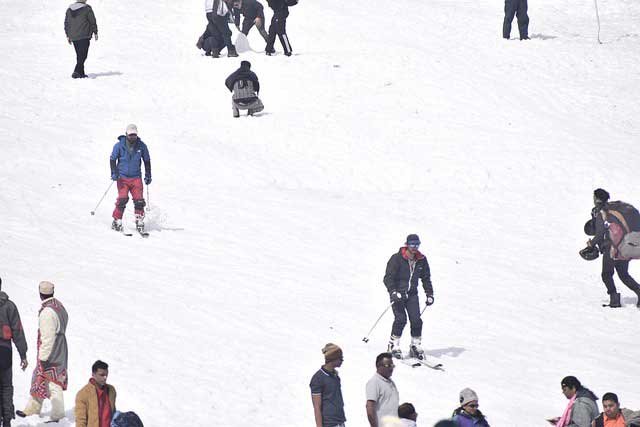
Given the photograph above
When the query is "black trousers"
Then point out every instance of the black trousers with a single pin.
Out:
(410, 306)
(279, 27)
(622, 268)
(82, 51)
(221, 23)
(6, 394)
(515, 8)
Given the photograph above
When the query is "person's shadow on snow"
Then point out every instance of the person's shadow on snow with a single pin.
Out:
(451, 351)
(105, 74)
(542, 37)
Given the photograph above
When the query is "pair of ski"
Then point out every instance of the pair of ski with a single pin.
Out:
(144, 234)
(414, 363)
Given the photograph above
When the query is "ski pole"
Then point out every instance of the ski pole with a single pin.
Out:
(366, 339)
(93, 212)
(595, 2)
(148, 208)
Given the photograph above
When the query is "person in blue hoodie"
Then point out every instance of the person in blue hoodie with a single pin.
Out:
(126, 158)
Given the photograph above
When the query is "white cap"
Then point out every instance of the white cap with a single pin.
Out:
(132, 129)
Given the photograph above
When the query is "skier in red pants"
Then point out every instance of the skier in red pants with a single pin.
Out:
(126, 158)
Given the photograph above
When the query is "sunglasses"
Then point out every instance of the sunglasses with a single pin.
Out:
(413, 245)
(473, 405)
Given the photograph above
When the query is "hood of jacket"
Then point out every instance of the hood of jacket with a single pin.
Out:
(586, 393)
(403, 252)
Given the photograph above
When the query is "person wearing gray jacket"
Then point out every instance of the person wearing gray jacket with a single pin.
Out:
(582, 408)
(10, 330)
(79, 26)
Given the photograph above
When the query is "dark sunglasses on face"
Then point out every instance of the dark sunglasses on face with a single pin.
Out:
(473, 405)
(413, 245)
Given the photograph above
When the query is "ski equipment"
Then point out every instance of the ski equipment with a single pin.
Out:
(93, 212)
(366, 338)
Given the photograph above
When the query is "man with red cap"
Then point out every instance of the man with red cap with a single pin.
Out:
(401, 280)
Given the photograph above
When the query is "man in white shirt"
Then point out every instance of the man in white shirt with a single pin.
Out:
(382, 395)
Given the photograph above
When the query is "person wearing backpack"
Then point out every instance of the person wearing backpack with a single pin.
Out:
(279, 26)
(244, 85)
(611, 221)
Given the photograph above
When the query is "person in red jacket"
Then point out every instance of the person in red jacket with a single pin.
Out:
(96, 402)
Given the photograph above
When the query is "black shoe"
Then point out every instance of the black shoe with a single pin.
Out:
(231, 52)
(270, 52)
(215, 53)
(614, 300)
(76, 75)
(207, 53)
(287, 53)
(525, 38)
(21, 414)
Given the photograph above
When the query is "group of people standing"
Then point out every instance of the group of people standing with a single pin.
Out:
(220, 13)
(95, 402)
(382, 397)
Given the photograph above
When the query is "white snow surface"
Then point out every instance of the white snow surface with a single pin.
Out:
(270, 234)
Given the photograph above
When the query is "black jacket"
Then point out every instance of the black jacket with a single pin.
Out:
(398, 274)
(251, 9)
(242, 73)
(277, 5)
(10, 329)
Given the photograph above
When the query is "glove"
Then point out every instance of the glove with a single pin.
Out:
(114, 176)
(429, 300)
(68, 40)
(395, 296)
(96, 37)
(147, 179)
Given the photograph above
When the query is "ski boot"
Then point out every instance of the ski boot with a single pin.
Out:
(116, 225)
(236, 112)
(215, 53)
(416, 350)
(140, 223)
(394, 347)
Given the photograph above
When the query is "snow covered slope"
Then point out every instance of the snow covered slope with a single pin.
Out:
(269, 235)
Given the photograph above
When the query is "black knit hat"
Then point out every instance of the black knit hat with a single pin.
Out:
(601, 195)
(245, 64)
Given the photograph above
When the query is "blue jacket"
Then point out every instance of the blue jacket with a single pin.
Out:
(129, 164)
(462, 419)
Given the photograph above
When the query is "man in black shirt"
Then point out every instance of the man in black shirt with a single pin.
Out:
(326, 394)
(253, 13)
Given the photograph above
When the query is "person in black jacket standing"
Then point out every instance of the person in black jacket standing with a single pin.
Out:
(605, 217)
(244, 85)
(253, 13)
(79, 26)
(401, 280)
(278, 27)
(11, 327)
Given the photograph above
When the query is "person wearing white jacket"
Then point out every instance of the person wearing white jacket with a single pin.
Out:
(50, 375)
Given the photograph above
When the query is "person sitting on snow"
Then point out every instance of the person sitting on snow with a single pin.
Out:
(244, 85)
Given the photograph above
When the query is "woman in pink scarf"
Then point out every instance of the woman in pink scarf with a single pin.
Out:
(582, 408)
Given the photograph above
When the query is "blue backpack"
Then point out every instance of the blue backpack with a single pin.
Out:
(126, 419)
